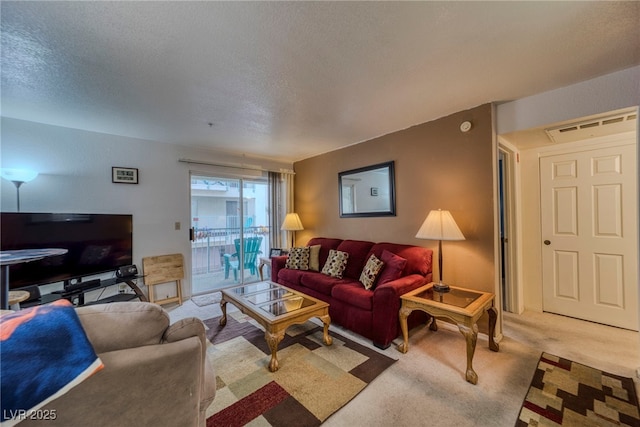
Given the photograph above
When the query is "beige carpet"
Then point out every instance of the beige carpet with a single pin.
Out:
(426, 386)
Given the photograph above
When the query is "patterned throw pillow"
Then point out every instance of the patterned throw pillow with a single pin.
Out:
(370, 272)
(298, 259)
(336, 263)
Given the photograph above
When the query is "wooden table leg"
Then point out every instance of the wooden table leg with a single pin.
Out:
(223, 307)
(326, 320)
(471, 335)
(273, 340)
(404, 312)
(493, 315)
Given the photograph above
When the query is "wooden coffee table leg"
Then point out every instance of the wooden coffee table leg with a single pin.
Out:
(273, 339)
(326, 321)
(471, 335)
(223, 307)
(404, 312)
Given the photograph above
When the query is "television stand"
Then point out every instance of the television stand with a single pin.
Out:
(79, 293)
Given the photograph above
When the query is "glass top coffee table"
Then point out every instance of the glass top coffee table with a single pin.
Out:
(275, 307)
(462, 306)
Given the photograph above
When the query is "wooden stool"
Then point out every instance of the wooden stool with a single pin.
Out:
(16, 297)
(163, 269)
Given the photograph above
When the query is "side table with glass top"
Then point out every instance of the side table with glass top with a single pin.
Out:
(462, 306)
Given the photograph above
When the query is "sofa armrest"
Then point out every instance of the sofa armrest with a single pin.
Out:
(193, 327)
(386, 306)
(277, 264)
(128, 325)
(401, 285)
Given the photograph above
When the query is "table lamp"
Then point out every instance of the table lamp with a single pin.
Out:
(440, 226)
(292, 223)
(18, 177)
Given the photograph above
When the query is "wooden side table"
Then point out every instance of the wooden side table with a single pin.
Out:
(263, 262)
(462, 306)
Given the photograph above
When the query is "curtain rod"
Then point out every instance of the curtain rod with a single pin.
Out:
(236, 166)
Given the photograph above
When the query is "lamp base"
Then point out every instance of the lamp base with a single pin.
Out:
(441, 287)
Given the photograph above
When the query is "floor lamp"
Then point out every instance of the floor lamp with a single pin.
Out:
(18, 177)
(440, 226)
(292, 223)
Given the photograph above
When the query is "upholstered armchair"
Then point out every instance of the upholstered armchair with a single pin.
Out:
(154, 374)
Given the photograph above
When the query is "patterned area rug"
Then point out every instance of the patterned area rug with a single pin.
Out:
(312, 383)
(567, 393)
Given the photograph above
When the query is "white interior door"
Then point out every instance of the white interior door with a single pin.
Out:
(589, 231)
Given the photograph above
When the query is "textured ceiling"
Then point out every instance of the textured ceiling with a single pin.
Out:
(294, 79)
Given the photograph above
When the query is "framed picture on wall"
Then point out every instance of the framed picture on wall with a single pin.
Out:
(121, 175)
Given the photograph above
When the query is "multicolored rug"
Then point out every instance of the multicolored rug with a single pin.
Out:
(567, 393)
(313, 381)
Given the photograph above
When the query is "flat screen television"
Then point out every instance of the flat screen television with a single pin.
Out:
(96, 243)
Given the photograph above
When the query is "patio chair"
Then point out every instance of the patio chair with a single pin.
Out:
(251, 253)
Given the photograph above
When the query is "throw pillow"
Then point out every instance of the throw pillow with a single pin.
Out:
(298, 259)
(336, 263)
(314, 258)
(393, 266)
(370, 272)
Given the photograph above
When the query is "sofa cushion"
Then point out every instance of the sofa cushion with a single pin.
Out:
(314, 257)
(289, 275)
(298, 259)
(335, 264)
(393, 267)
(320, 282)
(353, 293)
(371, 271)
(418, 258)
(326, 244)
(358, 251)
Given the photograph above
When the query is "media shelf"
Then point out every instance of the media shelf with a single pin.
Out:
(78, 294)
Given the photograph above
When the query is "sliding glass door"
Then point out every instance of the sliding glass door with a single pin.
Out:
(230, 231)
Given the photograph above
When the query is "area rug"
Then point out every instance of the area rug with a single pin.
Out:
(567, 393)
(207, 299)
(313, 381)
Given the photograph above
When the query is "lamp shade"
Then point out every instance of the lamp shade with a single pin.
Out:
(292, 223)
(18, 175)
(439, 225)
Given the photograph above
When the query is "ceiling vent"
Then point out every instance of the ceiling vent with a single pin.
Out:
(603, 126)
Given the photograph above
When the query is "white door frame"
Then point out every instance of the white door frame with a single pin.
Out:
(514, 298)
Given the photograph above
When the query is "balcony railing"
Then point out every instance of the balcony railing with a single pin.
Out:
(210, 245)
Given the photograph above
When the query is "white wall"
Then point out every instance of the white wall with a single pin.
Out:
(605, 93)
(611, 92)
(75, 176)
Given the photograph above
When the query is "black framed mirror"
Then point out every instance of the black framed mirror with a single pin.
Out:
(368, 191)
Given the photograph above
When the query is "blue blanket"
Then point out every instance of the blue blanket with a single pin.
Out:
(44, 353)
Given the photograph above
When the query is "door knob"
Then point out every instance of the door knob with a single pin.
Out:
(547, 242)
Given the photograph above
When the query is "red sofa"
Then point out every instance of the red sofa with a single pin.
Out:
(370, 313)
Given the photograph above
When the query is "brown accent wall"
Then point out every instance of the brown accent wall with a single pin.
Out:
(437, 166)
